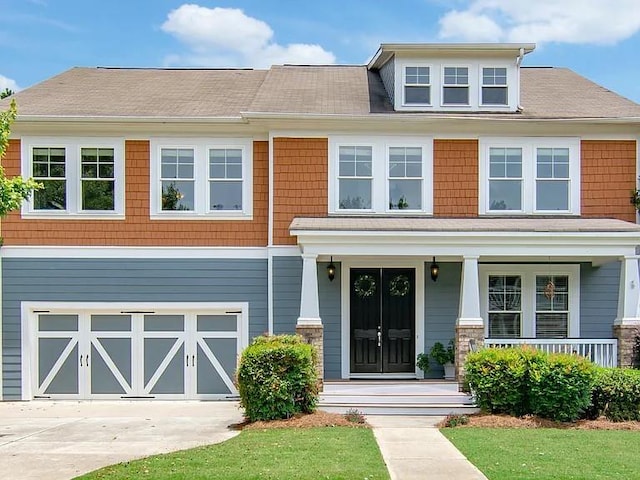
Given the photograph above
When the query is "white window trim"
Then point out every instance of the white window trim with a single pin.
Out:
(468, 86)
(380, 169)
(201, 147)
(430, 84)
(481, 86)
(528, 274)
(73, 146)
(529, 146)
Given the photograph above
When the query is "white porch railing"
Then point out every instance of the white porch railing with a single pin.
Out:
(601, 351)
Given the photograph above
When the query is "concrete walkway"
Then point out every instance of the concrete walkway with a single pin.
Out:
(414, 449)
(62, 439)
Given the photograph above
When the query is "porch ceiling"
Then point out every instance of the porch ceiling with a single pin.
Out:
(579, 238)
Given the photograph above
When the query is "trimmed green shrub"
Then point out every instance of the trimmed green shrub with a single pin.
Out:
(616, 395)
(277, 378)
(499, 379)
(521, 381)
(560, 386)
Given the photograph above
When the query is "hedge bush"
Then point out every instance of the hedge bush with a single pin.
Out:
(560, 386)
(277, 378)
(616, 395)
(521, 381)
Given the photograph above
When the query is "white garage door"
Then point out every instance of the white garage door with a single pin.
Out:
(136, 354)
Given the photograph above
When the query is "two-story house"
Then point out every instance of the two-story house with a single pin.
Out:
(441, 191)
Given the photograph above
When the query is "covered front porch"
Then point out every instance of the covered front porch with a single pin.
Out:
(561, 284)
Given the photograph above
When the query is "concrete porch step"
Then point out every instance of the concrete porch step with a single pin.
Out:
(396, 398)
(405, 409)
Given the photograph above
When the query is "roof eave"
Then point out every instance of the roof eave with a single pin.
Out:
(387, 50)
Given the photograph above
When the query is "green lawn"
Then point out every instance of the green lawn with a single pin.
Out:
(550, 453)
(306, 453)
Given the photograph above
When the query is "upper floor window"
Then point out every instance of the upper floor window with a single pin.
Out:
(455, 86)
(530, 175)
(533, 301)
(494, 86)
(417, 85)
(380, 175)
(83, 177)
(201, 178)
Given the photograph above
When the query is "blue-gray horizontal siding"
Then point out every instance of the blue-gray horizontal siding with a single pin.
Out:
(123, 280)
(440, 310)
(287, 281)
(330, 308)
(598, 299)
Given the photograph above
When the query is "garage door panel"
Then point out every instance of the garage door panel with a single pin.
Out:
(58, 366)
(111, 366)
(209, 380)
(57, 323)
(217, 323)
(169, 377)
(164, 323)
(110, 323)
(225, 351)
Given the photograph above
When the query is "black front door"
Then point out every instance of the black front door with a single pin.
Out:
(382, 314)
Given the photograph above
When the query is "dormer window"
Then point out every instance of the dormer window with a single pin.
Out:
(494, 86)
(417, 86)
(455, 86)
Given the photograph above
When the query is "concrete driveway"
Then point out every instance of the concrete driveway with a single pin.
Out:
(62, 439)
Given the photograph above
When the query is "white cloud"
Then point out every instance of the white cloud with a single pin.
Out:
(600, 22)
(6, 82)
(228, 37)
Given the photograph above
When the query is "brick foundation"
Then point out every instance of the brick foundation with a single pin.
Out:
(626, 335)
(463, 335)
(314, 335)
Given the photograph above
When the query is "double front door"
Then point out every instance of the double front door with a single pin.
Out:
(135, 355)
(382, 316)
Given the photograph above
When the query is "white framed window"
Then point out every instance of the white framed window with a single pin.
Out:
(455, 85)
(531, 175)
(494, 86)
(405, 182)
(201, 178)
(530, 301)
(417, 85)
(372, 174)
(82, 177)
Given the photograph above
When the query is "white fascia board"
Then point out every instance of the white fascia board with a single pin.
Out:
(134, 252)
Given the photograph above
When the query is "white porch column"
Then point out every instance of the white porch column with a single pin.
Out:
(469, 309)
(629, 292)
(469, 325)
(309, 304)
(626, 326)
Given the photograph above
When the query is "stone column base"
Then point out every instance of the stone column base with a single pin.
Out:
(314, 335)
(626, 335)
(464, 333)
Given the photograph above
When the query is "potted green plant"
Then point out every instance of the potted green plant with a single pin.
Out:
(422, 362)
(445, 357)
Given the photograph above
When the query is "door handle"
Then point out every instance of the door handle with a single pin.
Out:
(81, 361)
(379, 338)
(187, 360)
(193, 360)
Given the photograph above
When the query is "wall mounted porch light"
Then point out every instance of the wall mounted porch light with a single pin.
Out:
(331, 270)
(434, 268)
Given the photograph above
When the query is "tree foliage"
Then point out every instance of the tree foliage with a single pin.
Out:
(7, 92)
(13, 191)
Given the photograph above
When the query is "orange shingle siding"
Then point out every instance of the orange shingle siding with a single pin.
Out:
(300, 183)
(455, 178)
(608, 177)
(137, 229)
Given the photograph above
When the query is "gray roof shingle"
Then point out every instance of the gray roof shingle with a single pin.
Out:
(316, 90)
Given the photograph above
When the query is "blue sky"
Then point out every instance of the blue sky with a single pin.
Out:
(599, 39)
